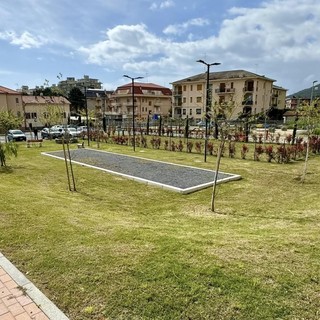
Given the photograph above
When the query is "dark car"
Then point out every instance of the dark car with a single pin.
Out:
(16, 135)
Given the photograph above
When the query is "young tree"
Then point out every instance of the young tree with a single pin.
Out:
(7, 149)
(8, 121)
(223, 112)
(308, 118)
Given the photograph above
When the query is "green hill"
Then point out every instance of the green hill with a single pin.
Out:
(306, 93)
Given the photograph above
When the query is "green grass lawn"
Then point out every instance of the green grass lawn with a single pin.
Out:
(119, 249)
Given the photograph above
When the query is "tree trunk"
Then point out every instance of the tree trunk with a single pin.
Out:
(304, 172)
(213, 197)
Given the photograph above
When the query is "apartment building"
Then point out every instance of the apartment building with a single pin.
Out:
(11, 100)
(86, 82)
(249, 93)
(278, 98)
(36, 109)
(149, 99)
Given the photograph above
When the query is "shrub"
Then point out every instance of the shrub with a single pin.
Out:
(210, 148)
(269, 152)
(198, 146)
(189, 146)
(232, 149)
(180, 146)
(166, 145)
(258, 151)
(244, 151)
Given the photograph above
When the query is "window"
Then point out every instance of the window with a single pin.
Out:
(231, 85)
(199, 87)
(198, 111)
(199, 99)
(184, 112)
(190, 99)
(184, 99)
(28, 116)
(17, 100)
(191, 87)
(150, 103)
(184, 88)
(190, 112)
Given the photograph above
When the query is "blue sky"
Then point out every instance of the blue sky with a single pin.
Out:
(158, 40)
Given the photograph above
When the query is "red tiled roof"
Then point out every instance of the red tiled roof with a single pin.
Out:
(139, 86)
(5, 90)
(44, 100)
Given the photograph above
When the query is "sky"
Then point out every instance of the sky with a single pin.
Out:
(42, 41)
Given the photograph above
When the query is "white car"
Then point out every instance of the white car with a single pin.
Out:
(82, 130)
(16, 135)
(72, 132)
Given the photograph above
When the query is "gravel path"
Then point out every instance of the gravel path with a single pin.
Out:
(184, 179)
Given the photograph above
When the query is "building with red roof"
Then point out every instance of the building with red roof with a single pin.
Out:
(150, 99)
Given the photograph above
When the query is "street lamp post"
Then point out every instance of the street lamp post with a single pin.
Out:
(311, 98)
(133, 120)
(208, 104)
(87, 115)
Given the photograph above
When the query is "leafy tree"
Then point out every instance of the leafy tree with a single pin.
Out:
(77, 100)
(52, 114)
(9, 121)
(48, 91)
(7, 149)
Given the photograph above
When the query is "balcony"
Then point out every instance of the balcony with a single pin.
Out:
(248, 89)
(177, 93)
(224, 90)
(247, 103)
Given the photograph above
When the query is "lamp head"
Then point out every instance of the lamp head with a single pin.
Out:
(209, 64)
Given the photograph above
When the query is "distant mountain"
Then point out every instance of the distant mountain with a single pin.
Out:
(306, 93)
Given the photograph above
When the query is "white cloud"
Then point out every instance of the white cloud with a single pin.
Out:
(287, 29)
(124, 43)
(181, 28)
(278, 37)
(162, 5)
(25, 40)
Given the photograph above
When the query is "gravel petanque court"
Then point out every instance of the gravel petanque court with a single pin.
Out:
(179, 178)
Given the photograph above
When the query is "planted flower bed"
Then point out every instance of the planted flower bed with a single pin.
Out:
(271, 151)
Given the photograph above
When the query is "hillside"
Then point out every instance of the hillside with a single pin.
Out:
(306, 93)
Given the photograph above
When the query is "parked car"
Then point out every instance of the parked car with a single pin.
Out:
(201, 123)
(45, 133)
(72, 132)
(56, 133)
(82, 130)
(16, 135)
